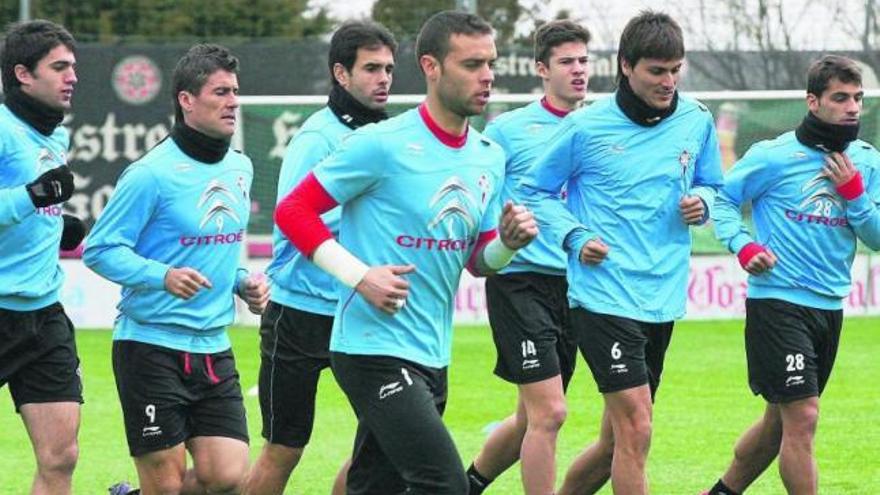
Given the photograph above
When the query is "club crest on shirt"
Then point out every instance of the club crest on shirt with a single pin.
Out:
(453, 203)
(46, 160)
(684, 159)
(485, 188)
(215, 200)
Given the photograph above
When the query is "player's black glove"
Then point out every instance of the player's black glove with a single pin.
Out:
(51, 188)
(73, 233)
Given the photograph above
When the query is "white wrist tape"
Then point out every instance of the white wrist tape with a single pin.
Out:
(339, 262)
(496, 255)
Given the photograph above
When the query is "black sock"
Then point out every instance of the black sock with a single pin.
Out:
(476, 481)
(721, 489)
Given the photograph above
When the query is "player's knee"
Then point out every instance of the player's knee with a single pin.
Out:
(224, 485)
(551, 416)
(801, 419)
(634, 429)
(228, 481)
(59, 460)
(282, 457)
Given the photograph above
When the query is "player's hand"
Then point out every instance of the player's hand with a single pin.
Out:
(839, 168)
(384, 288)
(53, 187)
(185, 282)
(593, 252)
(255, 292)
(517, 226)
(756, 259)
(692, 209)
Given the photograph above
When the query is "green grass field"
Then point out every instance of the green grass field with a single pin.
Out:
(702, 407)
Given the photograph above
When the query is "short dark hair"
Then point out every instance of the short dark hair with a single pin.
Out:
(829, 67)
(433, 38)
(649, 35)
(26, 43)
(353, 35)
(554, 33)
(195, 67)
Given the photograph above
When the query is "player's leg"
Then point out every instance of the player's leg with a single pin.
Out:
(399, 406)
(591, 469)
(629, 412)
(500, 451)
(218, 441)
(52, 428)
(526, 314)
(341, 476)
(800, 417)
(294, 349)
(615, 350)
(797, 465)
(47, 391)
(162, 472)
(150, 381)
(219, 465)
(753, 453)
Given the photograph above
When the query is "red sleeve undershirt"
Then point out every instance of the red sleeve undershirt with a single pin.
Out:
(483, 239)
(298, 215)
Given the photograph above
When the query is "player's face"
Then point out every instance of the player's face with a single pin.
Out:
(466, 75)
(840, 103)
(566, 74)
(52, 80)
(212, 110)
(370, 78)
(654, 80)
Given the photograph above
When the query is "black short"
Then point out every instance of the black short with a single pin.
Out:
(169, 396)
(401, 444)
(294, 348)
(530, 321)
(622, 353)
(790, 348)
(38, 356)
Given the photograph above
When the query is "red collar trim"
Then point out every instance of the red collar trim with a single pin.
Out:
(550, 108)
(451, 140)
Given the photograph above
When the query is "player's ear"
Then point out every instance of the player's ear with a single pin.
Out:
(812, 102)
(340, 73)
(543, 70)
(430, 66)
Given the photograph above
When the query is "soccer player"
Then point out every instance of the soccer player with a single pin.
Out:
(420, 202)
(295, 329)
(641, 167)
(814, 191)
(171, 237)
(528, 308)
(38, 357)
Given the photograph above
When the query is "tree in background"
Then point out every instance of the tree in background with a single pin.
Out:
(105, 20)
(405, 17)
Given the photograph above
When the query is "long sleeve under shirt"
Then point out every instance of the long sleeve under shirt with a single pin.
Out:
(30, 275)
(172, 211)
(799, 216)
(625, 182)
(296, 281)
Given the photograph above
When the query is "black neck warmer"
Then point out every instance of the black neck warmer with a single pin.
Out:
(198, 146)
(31, 110)
(351, 112)
(823, 136)
(637, 110)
